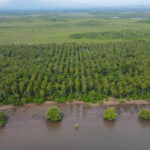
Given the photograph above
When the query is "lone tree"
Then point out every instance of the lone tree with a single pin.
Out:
(54, 114)
(2, 119)
(110, 114)
(144, 114)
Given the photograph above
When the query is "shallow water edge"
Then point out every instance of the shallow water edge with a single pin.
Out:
(105, 103)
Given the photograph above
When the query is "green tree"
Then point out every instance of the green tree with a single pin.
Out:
(110, 114)
(70, 85)
(54, 114)
(144, 114)
(77, 85)
(2, 119)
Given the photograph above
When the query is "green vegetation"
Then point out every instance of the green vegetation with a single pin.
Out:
(122, 101)
(145, 21)
(76, 126)
(110, 114)
(90, 56)
(2, 119)
(144, 114)
(69, 71)
(101, 102)
(38, 101)
(54, 114)
(125, 34)
(52, 27)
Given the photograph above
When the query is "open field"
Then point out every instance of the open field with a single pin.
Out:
(41, 28)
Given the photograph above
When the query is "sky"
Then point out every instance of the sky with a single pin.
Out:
(52, 4)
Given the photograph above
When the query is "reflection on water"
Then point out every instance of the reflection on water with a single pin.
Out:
(109, 124)
(28, 129)
(144, 123)
(53, 126)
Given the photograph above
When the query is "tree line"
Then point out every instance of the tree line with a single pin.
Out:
(90, 72)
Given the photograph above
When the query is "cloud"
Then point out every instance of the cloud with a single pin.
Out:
(29, 4)
(98, 2)
(75, 2)
(4, 2)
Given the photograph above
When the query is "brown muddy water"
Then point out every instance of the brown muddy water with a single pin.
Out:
(27, 129)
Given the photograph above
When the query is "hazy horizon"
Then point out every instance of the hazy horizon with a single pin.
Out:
(60, 4)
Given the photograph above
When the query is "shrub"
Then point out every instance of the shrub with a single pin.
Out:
(76, 126)
(122, 101)
(88, 104)
(61, 100)
(2, 119)
(54, 114)
(101, 102)
(110, 114)
(38, 101)
(144, 114)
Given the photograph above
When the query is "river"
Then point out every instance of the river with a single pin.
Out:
(27, 129)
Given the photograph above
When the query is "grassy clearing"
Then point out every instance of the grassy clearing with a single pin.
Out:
(41, 28)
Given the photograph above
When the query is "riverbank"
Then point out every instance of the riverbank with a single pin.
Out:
(105, 103)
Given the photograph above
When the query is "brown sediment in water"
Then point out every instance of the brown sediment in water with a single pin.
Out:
(27, 128)
(113, 102)
(105, 103)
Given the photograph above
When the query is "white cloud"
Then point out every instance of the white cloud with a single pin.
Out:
(68, 3)
(98, 2)
(4, 2)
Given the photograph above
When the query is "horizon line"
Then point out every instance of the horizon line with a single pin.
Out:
(78, 8)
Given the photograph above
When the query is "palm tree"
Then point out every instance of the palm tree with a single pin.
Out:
(77, 86)
(71, 85)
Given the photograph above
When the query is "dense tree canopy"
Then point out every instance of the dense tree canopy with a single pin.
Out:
(89, 72)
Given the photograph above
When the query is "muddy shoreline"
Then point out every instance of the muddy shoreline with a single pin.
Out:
(105, 103)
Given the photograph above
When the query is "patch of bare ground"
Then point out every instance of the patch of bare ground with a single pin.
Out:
(105, 103)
